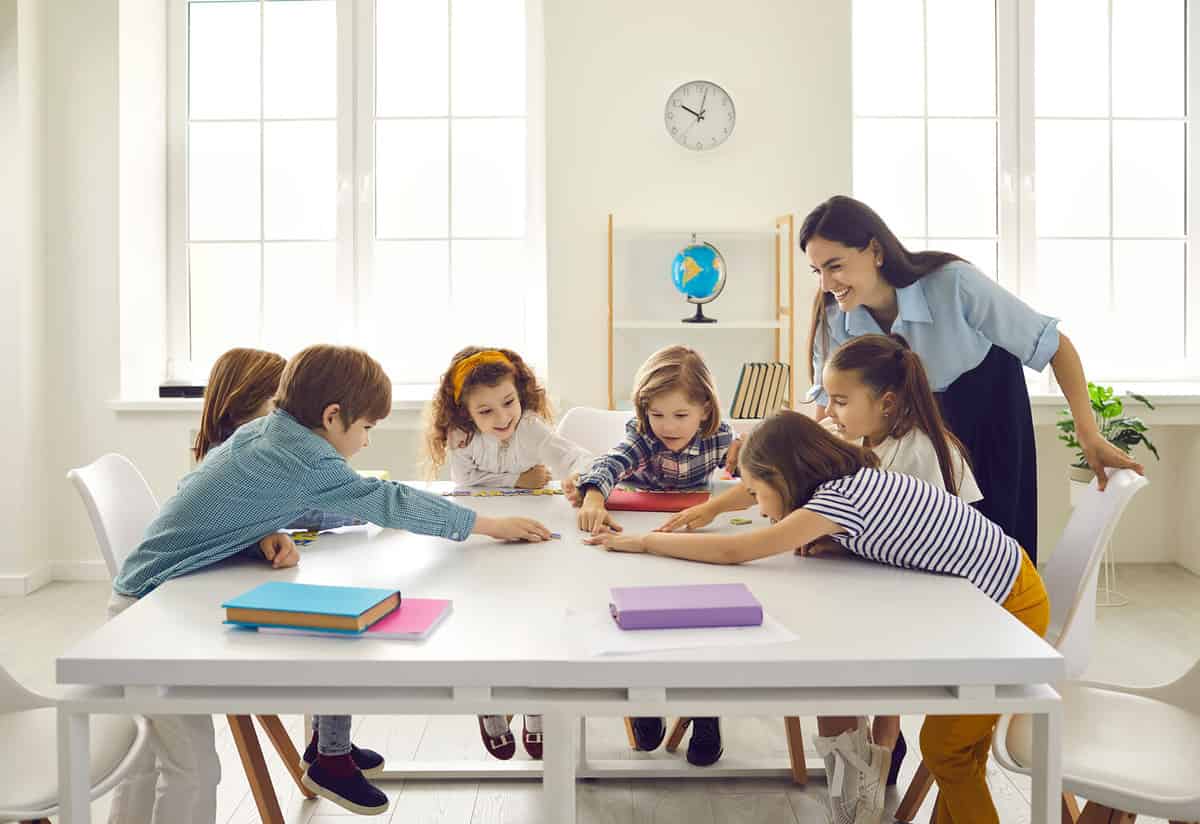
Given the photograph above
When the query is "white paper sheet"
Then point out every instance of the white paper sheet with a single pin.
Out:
(595, 633)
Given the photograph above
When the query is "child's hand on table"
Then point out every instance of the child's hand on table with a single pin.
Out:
(570, 486)
(618, 543)
(512, 529)
(731, 457)
(280, 550)
(533, 478)
(822, 546)
(694, 517)
(593, 517)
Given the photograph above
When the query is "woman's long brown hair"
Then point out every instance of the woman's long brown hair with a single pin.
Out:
(240, 382)
(885, 364)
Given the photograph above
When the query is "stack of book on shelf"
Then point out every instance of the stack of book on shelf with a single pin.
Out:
(761, 390)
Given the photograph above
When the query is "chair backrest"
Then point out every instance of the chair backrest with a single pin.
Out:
(15, 698)
(596, 430)
(1071, 572)
(119, 503)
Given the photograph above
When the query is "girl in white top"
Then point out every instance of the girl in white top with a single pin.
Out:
(491, 419)
(814, 485)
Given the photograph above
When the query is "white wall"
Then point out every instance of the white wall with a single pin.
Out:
(22, 488)
(609, 69)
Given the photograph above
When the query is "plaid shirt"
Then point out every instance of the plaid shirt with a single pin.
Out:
(644, 460)
(269, 473)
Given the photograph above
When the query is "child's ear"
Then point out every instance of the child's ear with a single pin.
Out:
(332, 413)
(888, 404)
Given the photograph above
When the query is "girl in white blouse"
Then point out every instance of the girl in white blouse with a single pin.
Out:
(491, 420)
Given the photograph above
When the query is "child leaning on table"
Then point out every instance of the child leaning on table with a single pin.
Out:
(258, 481)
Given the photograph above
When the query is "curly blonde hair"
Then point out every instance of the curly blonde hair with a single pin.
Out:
(446, 413)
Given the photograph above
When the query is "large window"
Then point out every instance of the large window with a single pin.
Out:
(1047, 142)
(359, 172)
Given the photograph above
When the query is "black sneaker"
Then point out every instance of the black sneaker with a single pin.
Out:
(369, 761)
(705, 747)
(648, 733)
(898, 753)
(353, 792)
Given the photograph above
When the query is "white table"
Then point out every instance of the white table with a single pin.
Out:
(874, 640)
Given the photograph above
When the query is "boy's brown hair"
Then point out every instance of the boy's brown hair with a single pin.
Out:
(794, 454)
(471, 367)
(241, 381)
(682, 368)
(324, 374)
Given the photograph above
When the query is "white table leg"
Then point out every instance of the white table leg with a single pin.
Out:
(74, 784)
(558, 778)
(1047, 766)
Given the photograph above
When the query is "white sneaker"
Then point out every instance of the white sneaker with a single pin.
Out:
(856, 771)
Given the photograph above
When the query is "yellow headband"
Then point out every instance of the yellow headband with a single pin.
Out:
(468, 365)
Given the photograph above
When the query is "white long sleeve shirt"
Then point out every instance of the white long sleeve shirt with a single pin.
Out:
(485, 460)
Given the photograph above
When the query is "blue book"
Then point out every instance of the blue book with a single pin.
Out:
(285, 604)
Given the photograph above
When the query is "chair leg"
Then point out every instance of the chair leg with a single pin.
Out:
(273, 727)
(1070, 809)
(629, 733)
(38, 821)
(918, 788)
(256, 768)
(1094, 813)
(677, 731)
(795, 742)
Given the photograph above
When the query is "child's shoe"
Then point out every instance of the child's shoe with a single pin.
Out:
(648, 733)
(705, 746)
(337, 779)
(856, 771)
(497, 737)
(531, 736)
(368, 761)
(897, 759)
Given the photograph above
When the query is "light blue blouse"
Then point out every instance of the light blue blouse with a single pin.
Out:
(950, 317)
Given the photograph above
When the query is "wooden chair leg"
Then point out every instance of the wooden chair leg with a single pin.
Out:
(1070, 809)
(286, 750)
(256, 768)
(677, 731)
(629, 733)
(918, 788)
(795, 742)
(1094, 813)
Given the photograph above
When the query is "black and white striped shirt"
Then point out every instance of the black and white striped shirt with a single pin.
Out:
(903, 521)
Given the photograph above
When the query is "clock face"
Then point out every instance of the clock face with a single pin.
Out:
(700, 115)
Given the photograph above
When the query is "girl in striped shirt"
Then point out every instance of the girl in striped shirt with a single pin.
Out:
(813, 485)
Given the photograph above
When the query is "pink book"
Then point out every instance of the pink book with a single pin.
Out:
(685, 605)
(647, 501)
(413, 620)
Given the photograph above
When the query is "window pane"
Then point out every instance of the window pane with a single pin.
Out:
(223, 181)
(223, 60)
(412, 179)
(888, 51)
(300, 59)
(889, 171)
(411, 41)
(1149, 295)
(1149, 171)
(1074, 284)
(488, 53)
(488, 187)
(223, 290)
(962, 177)
(413, 330)
(1070, 58)
(1072, 178)
(499, 270)
(299, 295)
(1149, 44)
(962, 57)
(979, 253)
(300, 180)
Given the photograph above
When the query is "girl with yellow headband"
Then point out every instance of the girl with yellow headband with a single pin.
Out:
(490, 420)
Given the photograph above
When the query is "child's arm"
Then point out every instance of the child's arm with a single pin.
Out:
(797, 529)
(624, 459)
(562, 457)
(701, 515)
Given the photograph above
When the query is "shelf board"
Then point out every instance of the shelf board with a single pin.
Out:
(721, 324)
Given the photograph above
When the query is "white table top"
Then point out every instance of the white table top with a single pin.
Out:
(861, 624)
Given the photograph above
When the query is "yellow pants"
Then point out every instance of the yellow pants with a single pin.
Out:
(955, 747)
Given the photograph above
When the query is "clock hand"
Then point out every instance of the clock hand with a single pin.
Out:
(697, 115)
(702, 99)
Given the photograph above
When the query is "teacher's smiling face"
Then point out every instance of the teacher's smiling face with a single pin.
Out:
(850, 275)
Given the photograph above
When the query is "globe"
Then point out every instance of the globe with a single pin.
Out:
(698, 272)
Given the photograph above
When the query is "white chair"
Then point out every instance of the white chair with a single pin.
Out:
(1070, 576)
(121, 505)
(596, 430)
(27, 729)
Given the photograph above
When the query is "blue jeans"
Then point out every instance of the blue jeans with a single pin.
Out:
(333, 734)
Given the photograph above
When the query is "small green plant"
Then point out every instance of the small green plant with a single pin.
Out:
(1124, 431)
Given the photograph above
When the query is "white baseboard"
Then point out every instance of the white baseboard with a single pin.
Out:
(79, 570)
(28, 582)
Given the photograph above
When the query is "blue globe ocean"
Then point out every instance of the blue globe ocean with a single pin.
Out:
(698, 272)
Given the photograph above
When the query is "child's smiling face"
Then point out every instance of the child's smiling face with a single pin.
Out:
(675, 419)
(495, 410)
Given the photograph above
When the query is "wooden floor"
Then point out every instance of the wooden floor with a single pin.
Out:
(1153, 639)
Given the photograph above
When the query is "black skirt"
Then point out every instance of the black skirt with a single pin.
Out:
(988, 409)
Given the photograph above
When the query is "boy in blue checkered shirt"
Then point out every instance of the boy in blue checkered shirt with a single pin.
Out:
(675, 441)
(254, 484)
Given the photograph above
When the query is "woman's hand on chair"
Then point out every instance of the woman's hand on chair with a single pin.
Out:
(1100, 454)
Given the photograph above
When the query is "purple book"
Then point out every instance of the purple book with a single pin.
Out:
(677, 607)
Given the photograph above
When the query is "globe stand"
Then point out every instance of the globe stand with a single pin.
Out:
(699, 317)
